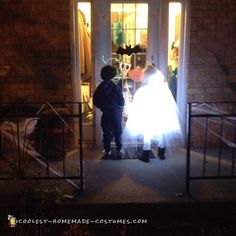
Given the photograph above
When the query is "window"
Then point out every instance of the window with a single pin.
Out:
(129, 23)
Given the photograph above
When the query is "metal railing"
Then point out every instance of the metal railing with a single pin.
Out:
(211, 135)
(42, 141)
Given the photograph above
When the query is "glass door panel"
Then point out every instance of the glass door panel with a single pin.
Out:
(129, 23)
(173, 45)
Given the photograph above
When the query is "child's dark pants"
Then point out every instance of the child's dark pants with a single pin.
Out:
(111, 123)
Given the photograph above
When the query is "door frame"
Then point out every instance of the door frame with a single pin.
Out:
(88, 129)
(162, 52)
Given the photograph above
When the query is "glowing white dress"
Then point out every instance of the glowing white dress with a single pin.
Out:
(153, 114)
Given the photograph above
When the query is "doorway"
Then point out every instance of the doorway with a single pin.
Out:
(161, 30)
(129, 33)
(85, 75)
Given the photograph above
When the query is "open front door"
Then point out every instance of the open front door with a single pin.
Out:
(85, 75)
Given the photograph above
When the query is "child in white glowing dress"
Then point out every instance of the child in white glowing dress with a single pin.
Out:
(153, 114)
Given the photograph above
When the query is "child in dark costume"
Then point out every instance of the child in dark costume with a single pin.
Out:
(109, 99)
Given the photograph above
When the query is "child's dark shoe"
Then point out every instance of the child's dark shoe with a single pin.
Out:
(145, 156)
(106, 156)
(120, 154)
(161, 153)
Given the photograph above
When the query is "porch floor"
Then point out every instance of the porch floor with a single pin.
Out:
(131, 189)
(134, 181)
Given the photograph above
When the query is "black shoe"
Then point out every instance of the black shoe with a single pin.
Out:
(145, 156)
(107, 156)
(161, 153)
(119, 154)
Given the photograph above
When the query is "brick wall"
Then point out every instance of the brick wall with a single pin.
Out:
(35, 57)
(35, 63)
(212, 65)
(35, 50)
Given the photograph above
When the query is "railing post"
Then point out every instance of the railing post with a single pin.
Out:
(18, 146)
(205, 147)
(188, 149)
(64, 140)
(81, 147)
(233, 152)
(220, 144)
(1, 146)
